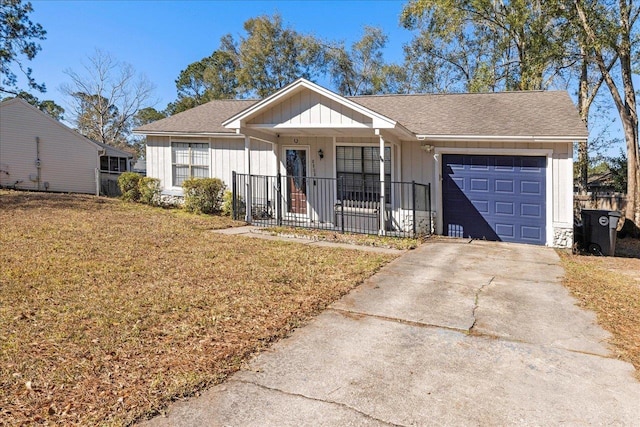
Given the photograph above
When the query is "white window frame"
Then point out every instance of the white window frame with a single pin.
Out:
(190, 165)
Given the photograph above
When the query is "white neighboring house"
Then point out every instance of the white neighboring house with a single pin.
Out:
(498, 166)
(38, 152)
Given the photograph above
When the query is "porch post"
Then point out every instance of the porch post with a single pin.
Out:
(247, 167)
(382, 230)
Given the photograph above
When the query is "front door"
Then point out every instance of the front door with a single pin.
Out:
(296, 180)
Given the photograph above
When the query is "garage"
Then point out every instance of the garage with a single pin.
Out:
(500, 198)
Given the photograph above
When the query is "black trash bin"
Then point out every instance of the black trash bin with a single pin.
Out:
(599, 231)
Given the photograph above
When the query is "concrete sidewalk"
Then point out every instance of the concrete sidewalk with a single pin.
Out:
(453, 333)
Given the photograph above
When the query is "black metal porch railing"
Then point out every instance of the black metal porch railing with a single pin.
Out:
(342, 204)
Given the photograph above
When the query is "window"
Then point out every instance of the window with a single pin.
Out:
(113, 164)
(358, 172)
(189, 160)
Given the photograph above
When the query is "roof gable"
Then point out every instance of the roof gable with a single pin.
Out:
(21, 103)
(305, 104)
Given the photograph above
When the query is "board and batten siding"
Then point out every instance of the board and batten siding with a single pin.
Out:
(67, 160)
(416, 164)
(310, 108)
(226, 155)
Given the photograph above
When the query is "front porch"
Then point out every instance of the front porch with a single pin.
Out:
(334, 204)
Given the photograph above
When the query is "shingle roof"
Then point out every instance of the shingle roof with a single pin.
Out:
(537, 113)
(205, 118)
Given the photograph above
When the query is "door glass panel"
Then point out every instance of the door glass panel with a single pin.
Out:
(296, 166)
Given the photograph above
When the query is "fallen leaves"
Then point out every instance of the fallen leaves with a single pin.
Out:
(109, 310)
(610, 287)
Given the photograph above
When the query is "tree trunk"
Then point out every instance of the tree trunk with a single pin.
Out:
(583, 110)
(629, 114)
(626, 106)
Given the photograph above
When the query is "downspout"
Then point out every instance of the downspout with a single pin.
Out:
(101, 152)
(38, 163)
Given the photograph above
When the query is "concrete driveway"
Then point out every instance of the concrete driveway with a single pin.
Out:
(453, 333)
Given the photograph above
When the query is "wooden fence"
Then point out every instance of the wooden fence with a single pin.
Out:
(604, 201)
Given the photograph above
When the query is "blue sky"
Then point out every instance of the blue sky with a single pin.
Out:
(160, 38)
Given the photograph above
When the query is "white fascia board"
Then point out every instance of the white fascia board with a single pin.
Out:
(189, 134)
(309, 126)
(379, 120)
(528, 138)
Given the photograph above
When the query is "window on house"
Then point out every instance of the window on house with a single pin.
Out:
(358, 172)
(113, 164)
(189, 160)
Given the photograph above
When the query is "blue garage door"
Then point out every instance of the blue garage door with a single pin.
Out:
(495, 197)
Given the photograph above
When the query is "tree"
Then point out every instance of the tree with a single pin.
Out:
(96, 119)
(268, 57)
(489, 44)
(106, 98)
(271, 56)
(47, 106)
(147, 115)
(144, 116)
(361, 70)
(619, 172)
(213, 77)
(609, 29)
(18, 40)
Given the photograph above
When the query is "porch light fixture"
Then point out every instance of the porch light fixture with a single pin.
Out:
(321, 153)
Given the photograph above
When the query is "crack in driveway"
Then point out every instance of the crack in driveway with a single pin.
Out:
(476, 302)
(315, 399)
(352, 313)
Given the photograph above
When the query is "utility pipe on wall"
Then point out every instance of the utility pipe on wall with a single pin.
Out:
(38, 163)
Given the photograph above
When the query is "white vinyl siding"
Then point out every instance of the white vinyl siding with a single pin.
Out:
(68, 161)
(189, 160)
(226, 155)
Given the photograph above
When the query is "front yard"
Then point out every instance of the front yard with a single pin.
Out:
(109, 310)
(610, 286)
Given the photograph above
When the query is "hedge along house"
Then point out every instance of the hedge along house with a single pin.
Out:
(496, 166)
(39, 153)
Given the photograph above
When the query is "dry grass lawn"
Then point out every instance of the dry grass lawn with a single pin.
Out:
(610, 286)
(109, 310)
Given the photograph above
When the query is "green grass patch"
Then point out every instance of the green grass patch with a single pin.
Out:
(351, 238)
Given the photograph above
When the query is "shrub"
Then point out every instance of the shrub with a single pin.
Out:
(203, 195)
(129, 186)
(227, 204)
(149, 189)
